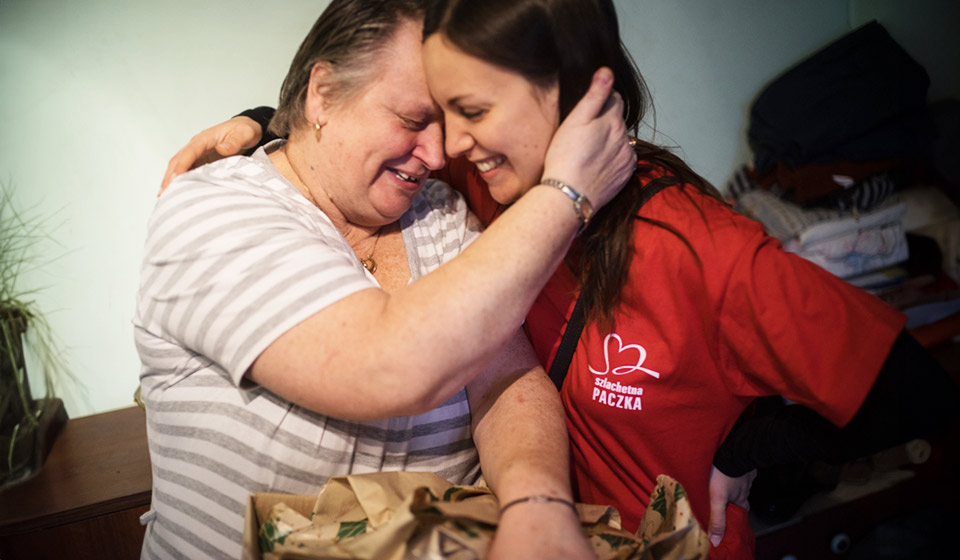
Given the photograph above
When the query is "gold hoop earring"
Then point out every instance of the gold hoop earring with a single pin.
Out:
(316, 129)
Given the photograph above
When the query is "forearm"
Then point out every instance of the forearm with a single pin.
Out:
(522, 441)
(441, 330)
(520, 433)
(912, 397)
(407, 351)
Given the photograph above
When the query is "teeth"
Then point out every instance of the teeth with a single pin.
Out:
(489, 164)
(404, 176)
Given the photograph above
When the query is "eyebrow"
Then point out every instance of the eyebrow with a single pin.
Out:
(457, 100)
(423, 113)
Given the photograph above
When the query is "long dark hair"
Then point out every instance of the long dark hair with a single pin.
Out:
(567, 41)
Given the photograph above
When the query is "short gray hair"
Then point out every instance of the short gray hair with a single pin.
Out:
(349, 35)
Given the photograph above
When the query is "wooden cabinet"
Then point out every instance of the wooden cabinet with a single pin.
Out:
(87, 499)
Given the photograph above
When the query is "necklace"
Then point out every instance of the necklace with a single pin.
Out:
(305, 190)
(368, 262)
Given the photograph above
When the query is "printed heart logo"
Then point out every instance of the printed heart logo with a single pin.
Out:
(624, 353)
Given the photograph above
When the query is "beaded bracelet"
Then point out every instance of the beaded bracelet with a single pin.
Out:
(581, 204)
(539, 499)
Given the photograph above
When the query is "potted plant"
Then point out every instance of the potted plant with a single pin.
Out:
(28, 425)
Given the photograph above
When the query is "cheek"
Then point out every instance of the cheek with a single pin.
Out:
(393, 145)
(534, 149)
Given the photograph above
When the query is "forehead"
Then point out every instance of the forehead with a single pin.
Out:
(456, 76)
(399, 82)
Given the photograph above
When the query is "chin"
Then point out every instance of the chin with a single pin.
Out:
(397, 206)
(506, 192)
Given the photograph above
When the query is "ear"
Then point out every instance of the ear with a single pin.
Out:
(316, 107)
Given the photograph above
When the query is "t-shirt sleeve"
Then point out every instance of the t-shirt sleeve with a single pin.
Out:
(231, 267)
(790, 328)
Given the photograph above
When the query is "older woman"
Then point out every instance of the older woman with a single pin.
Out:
(294, 325)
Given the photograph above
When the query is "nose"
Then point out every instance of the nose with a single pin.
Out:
(458, 141)
(430, 146)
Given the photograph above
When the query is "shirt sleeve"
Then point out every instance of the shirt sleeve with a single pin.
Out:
(912, 397)
(230, 266)
(789, 328)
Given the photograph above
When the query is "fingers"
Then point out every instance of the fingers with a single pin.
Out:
(726, 491)
(718, 520)
(748, 479)
(595, 100)
(167, 177)
(590, 148)
(613, 106)
(720, 491)
(242, 133)
(181, 162)
(225, 139)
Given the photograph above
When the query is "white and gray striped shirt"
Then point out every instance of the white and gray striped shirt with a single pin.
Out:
(235, 256)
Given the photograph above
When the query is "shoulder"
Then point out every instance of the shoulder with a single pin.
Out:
(233, 176)
(683, 211)
(235, 206)
(227, 190)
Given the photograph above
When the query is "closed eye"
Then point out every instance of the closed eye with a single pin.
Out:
(470, 114)
(415, 124)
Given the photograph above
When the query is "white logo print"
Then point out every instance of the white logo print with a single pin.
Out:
(623, 370)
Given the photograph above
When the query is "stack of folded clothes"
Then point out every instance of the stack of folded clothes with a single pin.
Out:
(841, 174)
(862, 232)
(834, 138)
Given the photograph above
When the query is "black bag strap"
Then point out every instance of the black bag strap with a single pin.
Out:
(571, 335)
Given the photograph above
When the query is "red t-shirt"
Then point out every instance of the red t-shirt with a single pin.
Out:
(696, 339)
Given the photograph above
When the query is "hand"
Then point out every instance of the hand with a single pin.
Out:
(225, 139)
(590, 151)
(536, 531)
(724, 490)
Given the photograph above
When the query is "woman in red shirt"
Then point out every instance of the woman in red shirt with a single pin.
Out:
(692, 311)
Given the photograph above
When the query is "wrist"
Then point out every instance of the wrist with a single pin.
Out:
(259, 115)
(541, 499)
(581, 204)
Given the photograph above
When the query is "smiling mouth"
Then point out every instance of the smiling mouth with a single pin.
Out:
(490, 163)
(413, 180)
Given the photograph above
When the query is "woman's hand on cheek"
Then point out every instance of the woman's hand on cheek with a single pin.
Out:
(225, 139)
(590, 150)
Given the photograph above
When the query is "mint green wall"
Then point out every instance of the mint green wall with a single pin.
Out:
(705, 61)
(95, 98)
(97, 95)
